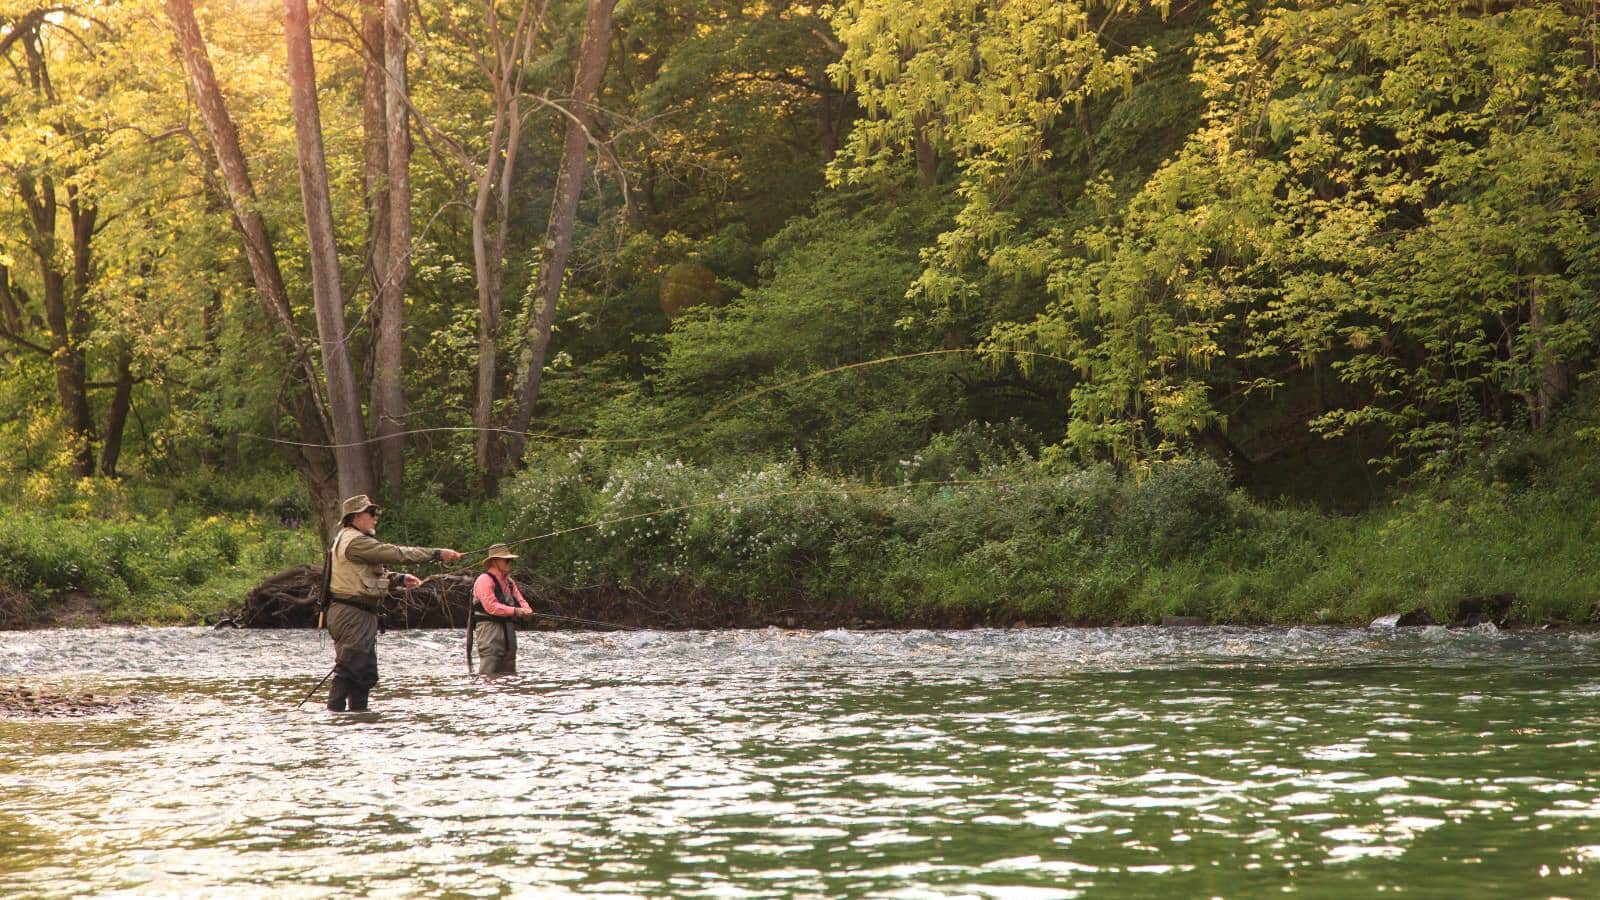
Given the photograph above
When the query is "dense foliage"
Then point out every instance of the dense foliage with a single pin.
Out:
(1130, 256)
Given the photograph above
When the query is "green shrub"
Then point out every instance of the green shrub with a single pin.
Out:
(1176, 511)
(1017, 539)
(775, 527)
(168, 563)
(972, 448)
(643, 513)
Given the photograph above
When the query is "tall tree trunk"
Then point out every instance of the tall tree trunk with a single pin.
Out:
(71, 375)
(241, 194)
(375, 132)
(82, 217)
(383, 364)
(349, 432)
(374, 186)
(563, 214)
(65, 323)
(827, 133)
(488, 276)
(489, 250)
(489, 253)
(314, 460)
(65, 311)
(117, 413)
(388, 389)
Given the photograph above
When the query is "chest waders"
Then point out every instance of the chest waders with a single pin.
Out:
(475, 612)
(354, 632)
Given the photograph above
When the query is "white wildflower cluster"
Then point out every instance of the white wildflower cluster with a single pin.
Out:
(773, 519)
(645, 510)
(552, 494)
(663, 520)
(910, 469)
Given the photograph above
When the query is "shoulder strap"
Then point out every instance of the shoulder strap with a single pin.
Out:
(327, 579)
(499, 594)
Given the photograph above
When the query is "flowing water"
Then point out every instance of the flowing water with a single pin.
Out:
(1039, 763)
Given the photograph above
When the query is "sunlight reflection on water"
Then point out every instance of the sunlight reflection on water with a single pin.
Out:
(1045, 762)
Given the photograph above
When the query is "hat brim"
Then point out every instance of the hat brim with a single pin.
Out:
(502, 556)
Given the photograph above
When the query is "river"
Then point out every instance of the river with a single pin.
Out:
(1039, 763)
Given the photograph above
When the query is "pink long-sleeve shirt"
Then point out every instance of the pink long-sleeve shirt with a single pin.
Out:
(483, 592)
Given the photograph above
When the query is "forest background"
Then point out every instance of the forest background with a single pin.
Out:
(942, 312)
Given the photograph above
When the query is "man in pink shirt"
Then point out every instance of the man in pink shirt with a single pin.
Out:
(497, 603)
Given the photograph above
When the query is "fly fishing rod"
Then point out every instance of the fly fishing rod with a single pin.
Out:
(1024, 357)
(313, 691)
(577, 621)
(456, 570)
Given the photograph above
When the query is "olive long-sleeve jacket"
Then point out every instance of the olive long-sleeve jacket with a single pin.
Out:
(359, 560)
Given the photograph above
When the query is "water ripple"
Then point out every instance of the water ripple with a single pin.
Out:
(1048, 762)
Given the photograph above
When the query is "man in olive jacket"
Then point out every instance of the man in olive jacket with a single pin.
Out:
(357, 583)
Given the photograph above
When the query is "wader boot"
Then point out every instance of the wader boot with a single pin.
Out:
(363, 665)
(338, 692)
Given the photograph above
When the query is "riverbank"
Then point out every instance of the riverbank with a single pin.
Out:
(647, 542)
(144, 551)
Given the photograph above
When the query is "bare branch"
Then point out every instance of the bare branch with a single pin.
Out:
(24, 343)
(602, 146)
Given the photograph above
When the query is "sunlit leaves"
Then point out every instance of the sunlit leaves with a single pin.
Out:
(1405, 189)
(982, 81)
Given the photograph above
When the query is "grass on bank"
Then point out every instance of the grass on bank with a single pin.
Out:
(1020, 540)
(1028, 541)
(146, 554)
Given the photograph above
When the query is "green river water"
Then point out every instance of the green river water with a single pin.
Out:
(1038, 763)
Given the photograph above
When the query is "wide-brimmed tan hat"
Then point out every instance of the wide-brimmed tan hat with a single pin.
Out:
(360, 503)
(499, 551)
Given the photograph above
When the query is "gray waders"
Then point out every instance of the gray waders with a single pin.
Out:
(495, 637)
(354, 630)
(496, 640)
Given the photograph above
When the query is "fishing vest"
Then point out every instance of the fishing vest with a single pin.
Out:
(351, 579)
(478, 611)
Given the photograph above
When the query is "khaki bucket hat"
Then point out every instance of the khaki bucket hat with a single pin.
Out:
(360, 503)
(499, 551)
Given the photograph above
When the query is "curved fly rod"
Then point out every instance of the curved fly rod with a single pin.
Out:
(692, 424)
(709, 415)
(742, 498)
